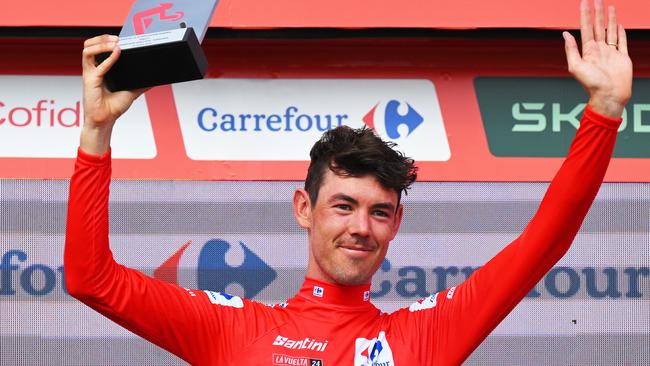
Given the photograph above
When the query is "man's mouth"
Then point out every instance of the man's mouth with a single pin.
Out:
(356, 251)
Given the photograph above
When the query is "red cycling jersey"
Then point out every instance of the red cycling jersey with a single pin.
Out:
(326, 324)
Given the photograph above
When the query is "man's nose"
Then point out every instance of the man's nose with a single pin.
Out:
(360, 224)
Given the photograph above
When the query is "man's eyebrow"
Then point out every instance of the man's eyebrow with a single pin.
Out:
(345, 197)
(384, 205)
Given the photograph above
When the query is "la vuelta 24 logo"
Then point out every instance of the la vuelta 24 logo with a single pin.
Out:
(143, 19)
(213, 273)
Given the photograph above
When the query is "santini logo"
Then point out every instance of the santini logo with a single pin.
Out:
(306, 343)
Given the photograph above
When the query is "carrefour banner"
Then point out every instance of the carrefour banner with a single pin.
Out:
(240, 237)
(462, 129)
(275, 120)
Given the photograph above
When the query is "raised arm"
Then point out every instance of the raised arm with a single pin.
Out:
(195, 325)
(464, 316)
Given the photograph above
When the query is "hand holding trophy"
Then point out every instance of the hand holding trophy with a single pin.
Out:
(161, 44)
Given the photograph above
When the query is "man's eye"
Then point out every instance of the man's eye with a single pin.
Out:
(344, 207)
(381, 213)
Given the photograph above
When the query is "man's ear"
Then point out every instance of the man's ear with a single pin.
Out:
(398, 220)
(302, 208)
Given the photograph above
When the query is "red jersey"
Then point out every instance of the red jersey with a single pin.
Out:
(326, 324)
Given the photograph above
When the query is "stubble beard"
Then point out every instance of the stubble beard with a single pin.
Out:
(350, 274)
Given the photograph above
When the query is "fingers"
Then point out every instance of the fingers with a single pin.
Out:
(586, 27)
(599, 26)
(95, 46)
(571, 49)
(596, 30)
(105, 38)
(612, 27)
(106, 65)
(622, 40)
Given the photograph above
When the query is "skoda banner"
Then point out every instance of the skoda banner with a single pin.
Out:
(538, 117)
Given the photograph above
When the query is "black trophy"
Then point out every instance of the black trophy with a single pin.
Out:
(161, 44)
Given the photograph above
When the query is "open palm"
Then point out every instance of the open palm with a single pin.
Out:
(604, 68)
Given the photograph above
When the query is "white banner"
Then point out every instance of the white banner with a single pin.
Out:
(41, 117)
(280, 119)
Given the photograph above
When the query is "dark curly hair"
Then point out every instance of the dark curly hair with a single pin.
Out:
(356, 153)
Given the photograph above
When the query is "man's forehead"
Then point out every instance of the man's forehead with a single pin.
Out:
(366, 188)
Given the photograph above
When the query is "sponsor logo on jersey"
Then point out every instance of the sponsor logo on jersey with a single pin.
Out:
(280, 305)
(222, 298)
(306, 343)
(190, 292)
(373, 352)
(283, 360)
(214, 273)
(423, 304)
(450, 293)
(318, 291)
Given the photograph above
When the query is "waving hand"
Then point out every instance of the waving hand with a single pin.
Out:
(604, 69)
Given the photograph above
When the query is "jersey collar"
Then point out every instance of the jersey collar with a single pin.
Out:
(332, 294)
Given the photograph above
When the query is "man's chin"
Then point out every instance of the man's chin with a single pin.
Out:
(353, 282)
(352, 278)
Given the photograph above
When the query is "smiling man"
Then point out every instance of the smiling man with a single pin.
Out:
(351, 209)
(351, 204)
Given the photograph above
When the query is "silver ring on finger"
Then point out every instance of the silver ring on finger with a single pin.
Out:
(612, 44)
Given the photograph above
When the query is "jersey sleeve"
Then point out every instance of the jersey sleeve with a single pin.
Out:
(451, 324)
(200, 327)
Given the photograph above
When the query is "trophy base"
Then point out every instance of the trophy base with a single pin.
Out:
(156, 59)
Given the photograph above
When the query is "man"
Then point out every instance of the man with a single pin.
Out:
(351, 210)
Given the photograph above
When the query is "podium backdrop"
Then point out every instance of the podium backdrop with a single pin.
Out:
(487, 113)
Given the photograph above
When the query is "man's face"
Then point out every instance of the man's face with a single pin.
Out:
(349, 227)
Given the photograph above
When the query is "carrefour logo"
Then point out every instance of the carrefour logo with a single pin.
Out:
(267, 120)
(214, 273)
(393, 121)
